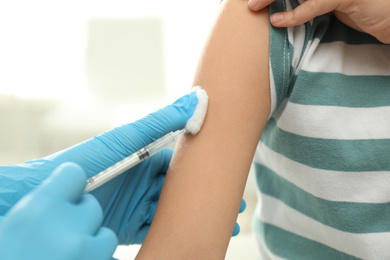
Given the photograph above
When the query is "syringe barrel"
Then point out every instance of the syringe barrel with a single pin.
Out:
(132, 160)
(111, 172)
(163, 142)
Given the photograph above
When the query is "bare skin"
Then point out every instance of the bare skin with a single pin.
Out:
(202, 192)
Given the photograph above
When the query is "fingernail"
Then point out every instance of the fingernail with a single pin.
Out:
(253, 3)
(276, 18)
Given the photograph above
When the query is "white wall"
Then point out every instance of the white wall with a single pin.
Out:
(51, 50)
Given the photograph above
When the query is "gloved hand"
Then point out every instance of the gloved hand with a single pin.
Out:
(236, 230)
(56, 221)
(368, 16)
(128, 201)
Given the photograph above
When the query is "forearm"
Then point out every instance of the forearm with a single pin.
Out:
(203, 189)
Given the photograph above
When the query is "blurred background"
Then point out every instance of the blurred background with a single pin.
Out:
(71, 69)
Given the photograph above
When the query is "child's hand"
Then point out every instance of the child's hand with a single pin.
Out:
(368, 16)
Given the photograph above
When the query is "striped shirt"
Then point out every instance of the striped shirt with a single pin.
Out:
(323, 162)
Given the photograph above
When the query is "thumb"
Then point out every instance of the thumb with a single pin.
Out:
(257, 5)
(67, 181)
(303, 13)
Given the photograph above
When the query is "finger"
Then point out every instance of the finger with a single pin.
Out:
(257, 5)
(132, 137)
(303, 13)
(166, 155)
(67, 181)
(129, 237)
(102, 245)
(243, 206)
(89, 214)
(141, 235)
(151, 197)
(151, 212)
(158, 164)
(236, 230)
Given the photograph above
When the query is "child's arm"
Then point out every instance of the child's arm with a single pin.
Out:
(203, 189)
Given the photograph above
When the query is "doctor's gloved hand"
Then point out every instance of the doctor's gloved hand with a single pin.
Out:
(236, 230)
(128, 201)
(57, 222)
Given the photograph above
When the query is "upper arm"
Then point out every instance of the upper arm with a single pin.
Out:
(203, 188)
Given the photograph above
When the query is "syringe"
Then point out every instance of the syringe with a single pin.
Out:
(132, 160)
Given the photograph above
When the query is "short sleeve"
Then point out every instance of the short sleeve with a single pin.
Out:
(287, 50)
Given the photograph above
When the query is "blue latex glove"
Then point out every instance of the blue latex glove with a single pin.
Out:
(56, 221)
(128, 201)
(236, 230)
